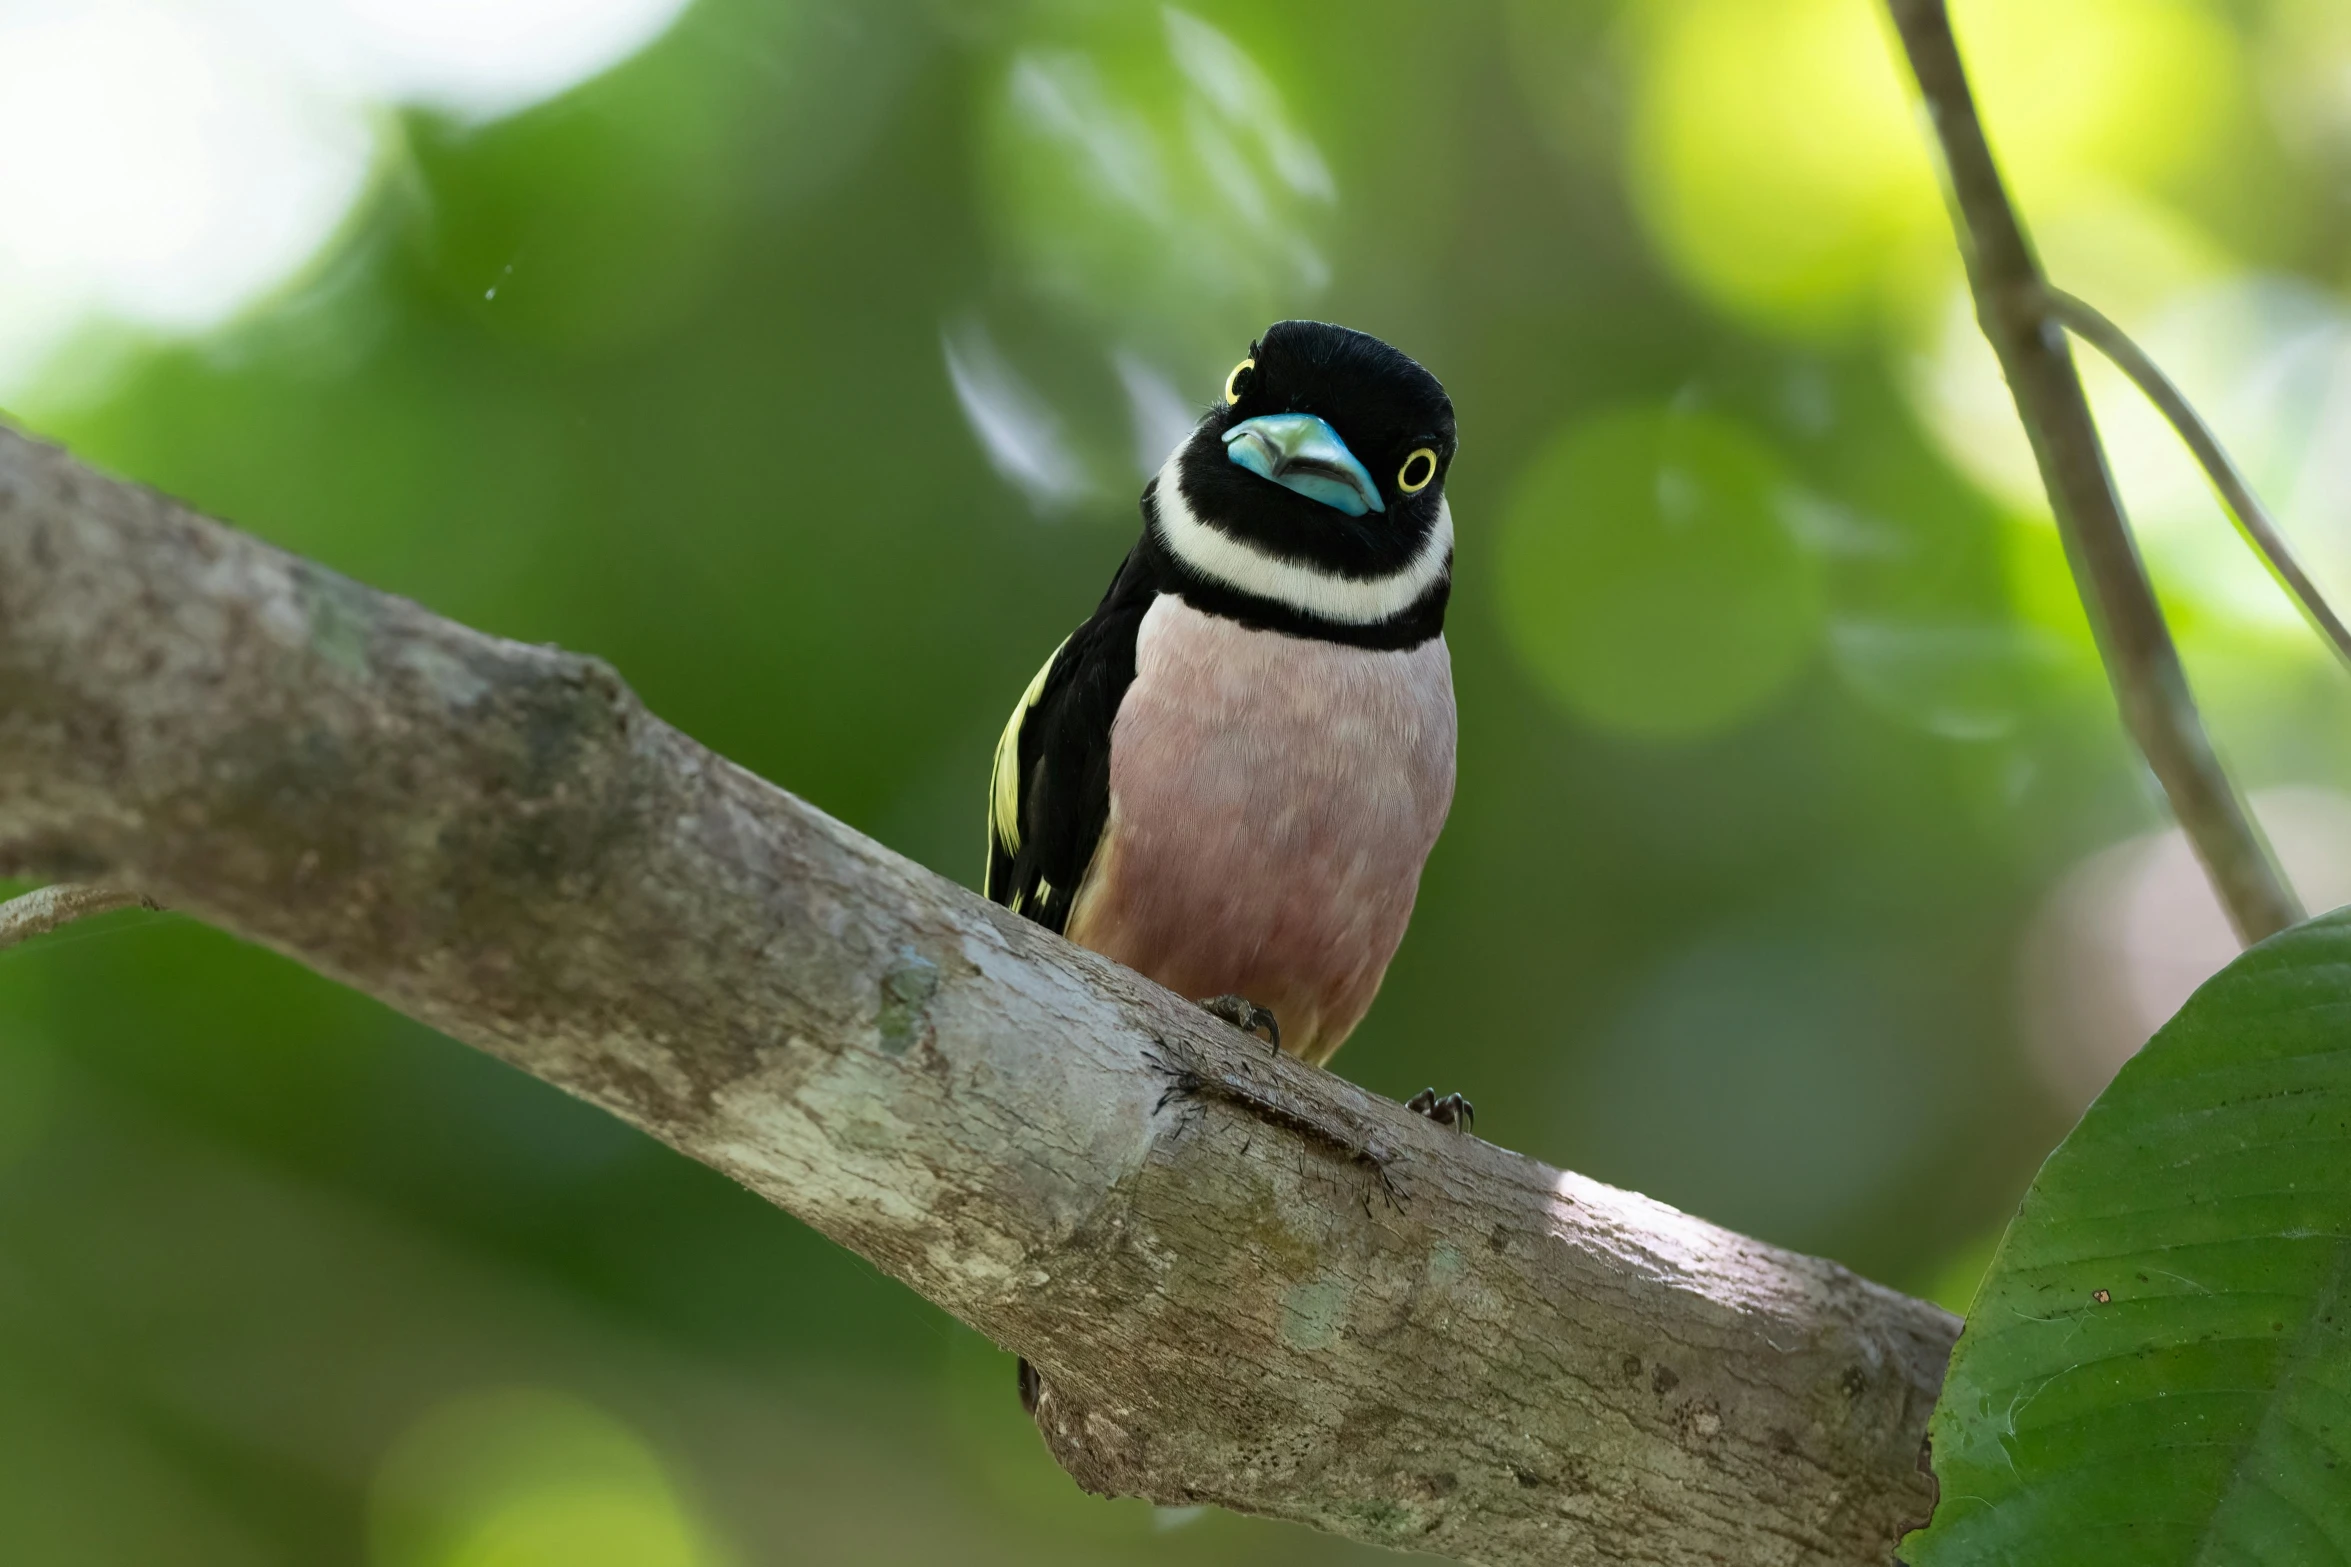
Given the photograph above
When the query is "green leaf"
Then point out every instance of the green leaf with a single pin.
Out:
(2158, 1366)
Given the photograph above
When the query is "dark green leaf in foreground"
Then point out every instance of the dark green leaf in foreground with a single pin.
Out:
(2158, 1366)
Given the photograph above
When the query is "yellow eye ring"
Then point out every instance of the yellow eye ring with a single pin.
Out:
(1232, 392)
(1404, 479)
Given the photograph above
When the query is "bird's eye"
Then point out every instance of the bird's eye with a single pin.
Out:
(1232, 383)
(1417, 471)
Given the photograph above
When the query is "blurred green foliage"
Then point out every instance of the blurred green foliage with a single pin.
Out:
(1778, 716)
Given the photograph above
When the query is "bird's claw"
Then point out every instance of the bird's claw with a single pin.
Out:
(1245, 1015)
(1452, 1110)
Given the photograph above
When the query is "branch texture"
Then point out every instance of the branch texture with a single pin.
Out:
(1246, 1281)
(41, 911)
(2013, 306)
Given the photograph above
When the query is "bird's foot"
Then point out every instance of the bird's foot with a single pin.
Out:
(1452, 1110)
(1245, 1015)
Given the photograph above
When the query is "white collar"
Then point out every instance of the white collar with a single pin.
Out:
(1308, 589)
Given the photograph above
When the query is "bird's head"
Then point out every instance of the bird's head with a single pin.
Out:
(1317, 487)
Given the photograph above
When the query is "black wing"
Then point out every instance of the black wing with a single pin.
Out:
(1049, 795)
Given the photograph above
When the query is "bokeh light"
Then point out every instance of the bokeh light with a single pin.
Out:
(2265, 359)
(175, 159)
(1822, 206)
(1649, 577)
(474, 59)
(527, 1478)
(2135, 259)
(1794, 220)
(2132, 930)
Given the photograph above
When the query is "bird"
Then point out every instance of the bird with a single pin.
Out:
(1229, 777)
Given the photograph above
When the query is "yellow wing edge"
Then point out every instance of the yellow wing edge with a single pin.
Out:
(1004, 780)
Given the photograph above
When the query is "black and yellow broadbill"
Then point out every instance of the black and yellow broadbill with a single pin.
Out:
(1230, 776)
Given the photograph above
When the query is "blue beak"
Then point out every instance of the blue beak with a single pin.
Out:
(1300, 452)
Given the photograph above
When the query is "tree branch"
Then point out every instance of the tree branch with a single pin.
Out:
(2013, 306)
(43, 910)
(1246, 1281)
(2261, 531)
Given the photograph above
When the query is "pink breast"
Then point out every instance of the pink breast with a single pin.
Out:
(1272, 800)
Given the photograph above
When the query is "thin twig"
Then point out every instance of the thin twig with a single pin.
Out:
(2086, 322)
(38, 913)
(2014, 309)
